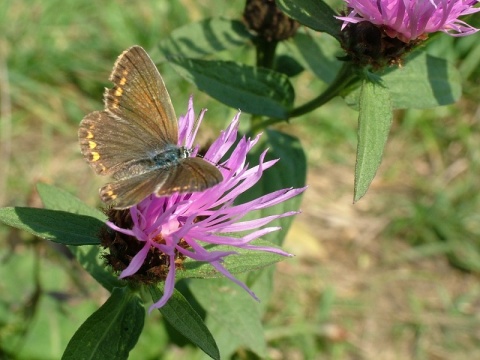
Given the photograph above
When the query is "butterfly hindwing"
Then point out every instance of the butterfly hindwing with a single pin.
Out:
(110, 145)
(189, 175)
(130, 191)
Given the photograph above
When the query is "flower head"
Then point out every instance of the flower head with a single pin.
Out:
(268, 21)
(160, 232)
(377, 33)
(409, 20)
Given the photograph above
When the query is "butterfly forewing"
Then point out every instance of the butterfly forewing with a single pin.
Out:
(135, 138)
(140, 96)
(104, 141)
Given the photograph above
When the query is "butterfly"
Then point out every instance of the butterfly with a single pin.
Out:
(134, 140)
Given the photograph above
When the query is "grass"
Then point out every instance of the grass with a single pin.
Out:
(392, 277)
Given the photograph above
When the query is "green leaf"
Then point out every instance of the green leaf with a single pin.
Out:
(89, 256)
(233, 316)
(253, 90)
(112, 331)
(425, 81)
(374, 122)
(181, 315)
(54, 198)
(58, 226)
(317, 54)
(288, 65)
(315, 14)
(204, 38)
(245, 260)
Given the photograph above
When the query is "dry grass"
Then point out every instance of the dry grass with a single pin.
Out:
(390, 302)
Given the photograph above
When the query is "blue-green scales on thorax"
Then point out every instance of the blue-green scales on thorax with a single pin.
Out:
(168, 156)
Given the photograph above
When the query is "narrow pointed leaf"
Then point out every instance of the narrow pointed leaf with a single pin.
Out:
(181, 315)
(58, 226)
(55, 198)
(111, 332)
(245, 260)
(89, 256)
(374, 124)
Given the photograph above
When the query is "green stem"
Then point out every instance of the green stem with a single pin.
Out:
(265, 52)
(346, 77)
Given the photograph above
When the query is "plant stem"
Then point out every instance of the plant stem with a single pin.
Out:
(265, 52)
(346, 77)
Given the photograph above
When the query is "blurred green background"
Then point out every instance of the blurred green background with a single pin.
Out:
(394, 276)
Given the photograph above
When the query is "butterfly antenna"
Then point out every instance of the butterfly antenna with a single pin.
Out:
(213, 163)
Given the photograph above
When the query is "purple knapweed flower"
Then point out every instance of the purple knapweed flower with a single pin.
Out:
(409, 20)
(175, 227)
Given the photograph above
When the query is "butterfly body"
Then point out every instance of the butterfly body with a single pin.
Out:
(165, 158)
(135, 138)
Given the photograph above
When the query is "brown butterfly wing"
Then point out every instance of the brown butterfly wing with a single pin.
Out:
(109, 145)
(137, 125)
(139, 97)
(138, 122)
(190, 175)
(125, 193)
